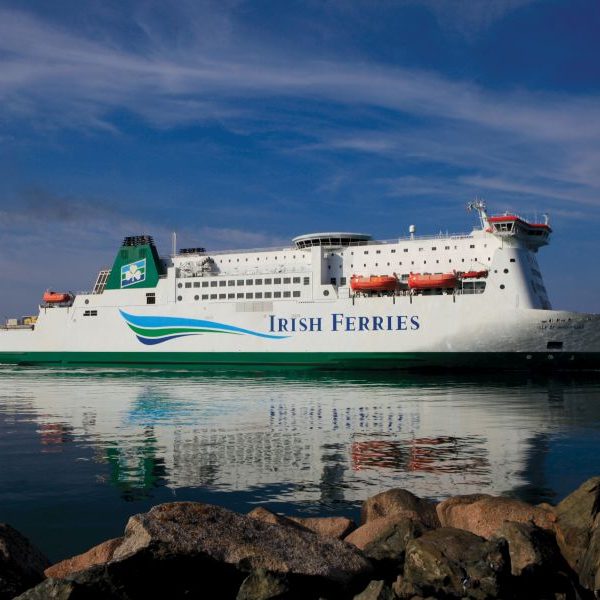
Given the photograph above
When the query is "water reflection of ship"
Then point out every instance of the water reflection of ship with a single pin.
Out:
(54, 435)
(443, 454)
(327, 441)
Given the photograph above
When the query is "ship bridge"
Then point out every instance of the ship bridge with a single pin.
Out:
(331, 239)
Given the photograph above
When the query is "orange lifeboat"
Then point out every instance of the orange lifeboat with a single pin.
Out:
(56, 297)
(419, 281)
(374, 283)
(473, 274)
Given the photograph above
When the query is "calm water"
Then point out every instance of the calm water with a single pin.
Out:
(81, 450)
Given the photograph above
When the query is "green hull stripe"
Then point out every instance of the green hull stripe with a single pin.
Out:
(326, 360)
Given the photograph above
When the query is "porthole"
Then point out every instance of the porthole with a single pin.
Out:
(87, 301)
(179, 285)
(502, 286)
(196, 297)
(506, 270)
(179, 298)
(326, 293)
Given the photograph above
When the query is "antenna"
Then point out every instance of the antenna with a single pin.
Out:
(479, 205)
(174, 243)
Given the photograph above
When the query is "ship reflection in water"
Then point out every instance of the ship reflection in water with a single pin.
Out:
(94, 442)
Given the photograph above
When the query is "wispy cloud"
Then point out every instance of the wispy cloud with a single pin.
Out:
(54, 76)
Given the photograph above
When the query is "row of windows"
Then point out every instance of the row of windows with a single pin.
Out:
(234, 282)
(258, 258)
(412, 262)
(433, 249)
(246, 296)
(90, 313)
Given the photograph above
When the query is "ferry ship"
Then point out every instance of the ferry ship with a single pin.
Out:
(330, 300)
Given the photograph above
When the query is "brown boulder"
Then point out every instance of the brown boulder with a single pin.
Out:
(370, 531)
(589, 566)
(97, 555)
(575, 519)
(399, 502)
(452, 563)
(333, 527)
(484, 515)
(384, 540)
(260, 513)
(533, 551)
(376, 590)
(190, 550)
(21, 564)
(262, 585)
(193, 529)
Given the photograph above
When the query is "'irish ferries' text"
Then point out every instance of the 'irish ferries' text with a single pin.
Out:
(341, 322)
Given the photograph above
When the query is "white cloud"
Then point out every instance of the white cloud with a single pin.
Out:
(510, 142)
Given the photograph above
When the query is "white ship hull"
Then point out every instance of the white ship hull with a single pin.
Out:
(381, 332)
(488, 307)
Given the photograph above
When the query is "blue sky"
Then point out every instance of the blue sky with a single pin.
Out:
(244, 123)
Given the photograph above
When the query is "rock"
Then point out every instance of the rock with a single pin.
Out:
(266, 516)
(575, 517)
(453, 563)
(333, 527)
(536, 562)
(21, 564)
(484, 515)
(141, 576)
(398, 502)
(533, 551)
(387, 545)
(445, 508)
(371, 531)
(262, 585)
(95, 556)
(589, 566)
(376, 590)
(214, 533)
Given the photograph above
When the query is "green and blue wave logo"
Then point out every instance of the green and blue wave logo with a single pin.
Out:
(152, 330)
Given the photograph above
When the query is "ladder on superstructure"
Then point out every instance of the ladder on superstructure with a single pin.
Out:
(101, 281)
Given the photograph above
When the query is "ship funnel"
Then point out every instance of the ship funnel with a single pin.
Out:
(412, 230)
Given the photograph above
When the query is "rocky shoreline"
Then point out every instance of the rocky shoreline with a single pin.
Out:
(405, 547)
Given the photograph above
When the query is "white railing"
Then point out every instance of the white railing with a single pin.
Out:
(437, 236)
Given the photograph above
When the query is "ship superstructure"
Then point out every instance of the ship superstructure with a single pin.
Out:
(331, 299)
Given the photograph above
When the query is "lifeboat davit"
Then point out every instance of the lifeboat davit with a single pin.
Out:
(374, 283)
(419, 281)
(474, 274)
(56, 297)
